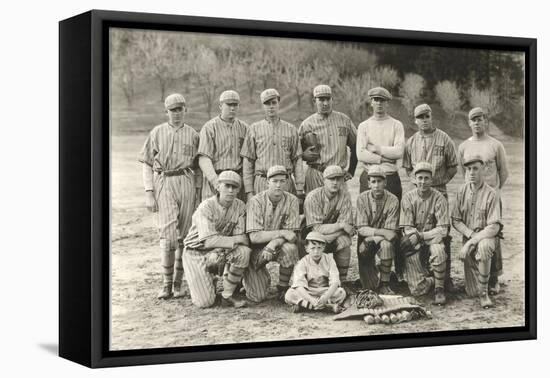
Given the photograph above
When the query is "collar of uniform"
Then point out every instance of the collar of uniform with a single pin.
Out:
(473, 189)
(324, 116)
(275, 122)
(374, 198)
(227, 122)
(174, 127)
(428, 195)
(381, 118)
(326, 194)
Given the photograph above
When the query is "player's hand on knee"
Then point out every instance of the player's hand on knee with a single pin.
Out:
(151, 202)
(249, 196)
(349, 229)
(414, 239)
(464, 251)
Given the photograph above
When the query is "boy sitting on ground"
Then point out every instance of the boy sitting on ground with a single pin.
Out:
(316, 282)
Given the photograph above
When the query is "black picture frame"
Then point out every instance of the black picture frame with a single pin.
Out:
(84, 197)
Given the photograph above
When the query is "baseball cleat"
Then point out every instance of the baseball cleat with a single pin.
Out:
(232, 302)
(165, 292)
(440, 299)
(485, 301)
(179, 292)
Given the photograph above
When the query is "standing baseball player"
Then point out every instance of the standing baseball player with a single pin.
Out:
(315, 282)
(221, 140)
(381, 141)
(476, 216)
(437, 148)
(270, 142)
(217, 236)
(172, 187)
(334, 132)
(425, 222)
(377, 225)
(495, 172)
(272, 221)
(328, 211)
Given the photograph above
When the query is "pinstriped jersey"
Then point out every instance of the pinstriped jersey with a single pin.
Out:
(222, 141)
(424, 214)
(263, 215)
(320, 209)
(335, 132)
(436, 148)
(211, 219)
(168, 148)
(269, 144)
(477, 208)
(377, 213)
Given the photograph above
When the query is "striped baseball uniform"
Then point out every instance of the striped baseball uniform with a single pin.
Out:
(335, 131)
(211, 219)
(421, 215)
(316, 278)
(376, 213)
(474, 210)
(388, 133)
(495, 175)
(171, 152)
(320, 209)
(437, 149)
(267, 144)
(263, 215)
(222, 141)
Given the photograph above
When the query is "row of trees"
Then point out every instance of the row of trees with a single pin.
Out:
(211, 63)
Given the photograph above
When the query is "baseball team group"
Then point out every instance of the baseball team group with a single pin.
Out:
(236, 197)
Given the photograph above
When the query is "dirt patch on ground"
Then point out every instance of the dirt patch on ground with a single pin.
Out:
(139, 320)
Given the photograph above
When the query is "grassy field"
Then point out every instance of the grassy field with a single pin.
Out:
(139, 320)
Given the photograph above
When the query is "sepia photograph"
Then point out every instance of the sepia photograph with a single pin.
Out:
(272, 189)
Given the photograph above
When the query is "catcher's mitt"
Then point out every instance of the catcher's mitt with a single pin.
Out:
(310, 139)
(368, 299)
(215, 262)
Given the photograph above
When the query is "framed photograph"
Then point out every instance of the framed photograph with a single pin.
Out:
(235, 188)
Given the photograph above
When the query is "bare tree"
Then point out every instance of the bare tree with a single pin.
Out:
(385, 76)
(448, 96)
(354, 91)
(486, 99)
(411, 91)
(126, 63)
(208, 74)
(164, 57)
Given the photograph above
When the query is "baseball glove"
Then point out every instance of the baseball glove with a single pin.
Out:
(215, 261)
(368, 299)
(310, 139)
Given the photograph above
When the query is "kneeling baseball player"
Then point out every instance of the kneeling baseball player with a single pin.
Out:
(477, 217)
(217, 236)
(425, 222)
(272, 221)
(377, 223)
(316, 281)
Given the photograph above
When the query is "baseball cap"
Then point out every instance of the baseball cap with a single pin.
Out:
(380, 92)
(376, 171)
(269, 94)
(322, 91)
(230, 177)
(173, 101)
(421, 109)
(333, 171)
(276, 170)
(423, 166)
(316, 236)
(473, 159)
(475, 112)
(229, 97)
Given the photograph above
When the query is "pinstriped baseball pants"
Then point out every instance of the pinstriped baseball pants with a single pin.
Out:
(368, 271)
(416, 274)
(257, 282)
(176, 199)
(341, 252)
(293, 297)
(200, 281)
(484, 252)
